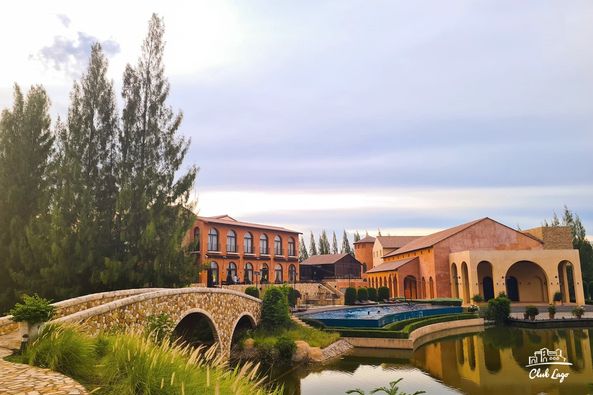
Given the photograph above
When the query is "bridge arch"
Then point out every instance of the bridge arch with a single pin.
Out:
(196, 326)
(244, 322)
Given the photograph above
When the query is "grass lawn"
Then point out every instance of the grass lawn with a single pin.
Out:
(315, 337)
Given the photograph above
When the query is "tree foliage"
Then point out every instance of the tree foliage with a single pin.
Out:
(275, 312)
(346, 249)
(312, 246)
(303, 254)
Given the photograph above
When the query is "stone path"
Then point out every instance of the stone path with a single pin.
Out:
(19, 379)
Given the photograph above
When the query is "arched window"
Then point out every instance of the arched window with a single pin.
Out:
(292, 274)
(231, 277)
(278, 274)
(248, 243)
(291, 247)
(248, 273)
(231, 241)
(196, 243)
(213, 279)
(213, 240)
(263, 244)
(277, 245)
(265, 274)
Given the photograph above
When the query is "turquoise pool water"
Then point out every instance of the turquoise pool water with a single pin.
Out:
(379, 315)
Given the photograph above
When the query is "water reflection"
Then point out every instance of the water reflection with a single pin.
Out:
(489, 362)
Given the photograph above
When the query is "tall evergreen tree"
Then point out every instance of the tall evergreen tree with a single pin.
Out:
(303, 254)
(25, 158)
(324, 247)
(356, 236)
(334, 244)
(312, 246)
(152, 215)
(346, 249)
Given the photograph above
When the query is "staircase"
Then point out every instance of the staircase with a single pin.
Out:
(298, 321)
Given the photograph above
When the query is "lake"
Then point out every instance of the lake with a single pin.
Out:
(489, 362)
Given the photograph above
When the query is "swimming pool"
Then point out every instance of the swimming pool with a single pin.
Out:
(379, 315)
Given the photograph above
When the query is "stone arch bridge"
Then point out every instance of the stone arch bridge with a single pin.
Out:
(226, 311)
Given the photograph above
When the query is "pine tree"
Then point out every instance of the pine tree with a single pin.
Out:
(378, 232)
(356, 236)
(346, 249)
(334, 244)
(152, 205)
(324, 247)
(25, 181)
(303, 255)
(312, 246)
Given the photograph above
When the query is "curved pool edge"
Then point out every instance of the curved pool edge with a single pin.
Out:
(421, 335)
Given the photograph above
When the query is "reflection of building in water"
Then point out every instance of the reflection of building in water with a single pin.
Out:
(494, 362)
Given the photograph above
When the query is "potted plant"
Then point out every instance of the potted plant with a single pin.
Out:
(473, 308)
(578, 311)
(551, 311)
(558, 297)
(31, 313)
(477, 298)
(531, 312)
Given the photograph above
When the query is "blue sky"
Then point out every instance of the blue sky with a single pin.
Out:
(408, 116)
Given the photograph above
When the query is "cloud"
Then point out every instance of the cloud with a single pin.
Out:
(71, 55)
(64, 19)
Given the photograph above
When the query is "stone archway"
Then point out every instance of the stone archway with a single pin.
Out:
(531, 282)
(486, 285)
(431, 287)
(465, 282)
(454, 282)
(241, 326)
(423, 288)
(197, 328)
(410, 291)
(566, 281)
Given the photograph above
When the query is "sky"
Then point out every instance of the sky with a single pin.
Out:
(403, 116)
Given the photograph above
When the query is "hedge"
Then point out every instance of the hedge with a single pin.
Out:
(437, 301)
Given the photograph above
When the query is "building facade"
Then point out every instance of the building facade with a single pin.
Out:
(363, 252)
(228, 251)
(325, 267)
(484, 257)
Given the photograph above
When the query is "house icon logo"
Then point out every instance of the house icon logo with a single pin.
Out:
(546, 356)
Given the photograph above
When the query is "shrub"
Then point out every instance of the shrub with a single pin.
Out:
(252, 291)
(292, 296)
(275, 313)
(578, 311)
(473, 308)
(477, 298)
(552, 309)
(63, 349)
(558, 296)
(159, 327)
(531, 311)
(372, 294)
(383, 293)
(286, 348)
(33, 310)
(499, 309)
(362, 294)
(350, 296)
(446, 301)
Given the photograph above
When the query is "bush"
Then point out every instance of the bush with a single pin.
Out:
(473, 309)
(372, 294)
(63, 349)
(286, 348)
(578, 311)
(446, 301)
(477, 298)
(275, 313)
(252, 291)
(362, 294)
(558, 296)
(531, 311)
(33, 310)
(499, 309)
(552, 309)
(159, 327)
(350, 296)
(383, 294)
(292, 296)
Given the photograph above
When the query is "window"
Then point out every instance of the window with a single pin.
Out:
(264, 274)
(291, 249)
(231, 277)
(248, 243)
(231, 241)
(292, 274)
(213, 274)
(248, 273)
(213, 240)
(196, 243)
(263, 244)
(277, 245)
(278, 274)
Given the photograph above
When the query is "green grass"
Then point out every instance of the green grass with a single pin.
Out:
(314, 337)
(130, 364)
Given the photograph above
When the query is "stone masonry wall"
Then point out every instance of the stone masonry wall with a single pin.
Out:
(554, 237)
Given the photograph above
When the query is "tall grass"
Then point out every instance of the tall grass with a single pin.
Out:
(132, 364)
(314, 337)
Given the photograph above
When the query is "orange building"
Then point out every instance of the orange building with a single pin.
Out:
(363, 252)
(484, 257)
(233, 252)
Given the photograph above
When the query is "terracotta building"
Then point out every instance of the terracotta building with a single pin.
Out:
(330, 267)
(233, 252)
(363, 252)
(484, 257)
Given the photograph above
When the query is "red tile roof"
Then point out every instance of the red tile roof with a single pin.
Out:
(390, 266)
(227, 220)
(366, 239)
(326, 259)
(389, 242)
